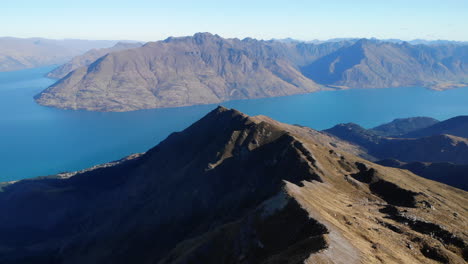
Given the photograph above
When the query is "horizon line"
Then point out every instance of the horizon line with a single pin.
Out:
(260, 39)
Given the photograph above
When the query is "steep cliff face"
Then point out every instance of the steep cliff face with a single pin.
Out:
(184, 71)
(88, 58)
(234, 189)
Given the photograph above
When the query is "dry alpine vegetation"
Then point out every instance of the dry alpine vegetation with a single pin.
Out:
(206, 68)
(236, 189)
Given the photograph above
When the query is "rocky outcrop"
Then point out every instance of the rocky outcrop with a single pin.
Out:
(234, 189)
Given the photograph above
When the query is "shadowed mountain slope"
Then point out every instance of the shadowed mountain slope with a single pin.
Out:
(448, 173)
(457, 126)
(434, 148)
(235, 189)
(88, 58)
(401, 126)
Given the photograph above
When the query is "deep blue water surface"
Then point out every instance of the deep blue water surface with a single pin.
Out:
(37, 140)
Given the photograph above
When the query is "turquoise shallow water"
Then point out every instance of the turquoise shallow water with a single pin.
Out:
(37, 140)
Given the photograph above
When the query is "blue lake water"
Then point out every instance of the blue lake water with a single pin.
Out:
(37, 140)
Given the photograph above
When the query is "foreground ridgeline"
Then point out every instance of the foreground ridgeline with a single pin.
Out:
(207, 68)
(235, 189)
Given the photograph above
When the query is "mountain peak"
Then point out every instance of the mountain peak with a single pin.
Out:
(234, 189)
(205, 35)
(223, 111)
(202, 37)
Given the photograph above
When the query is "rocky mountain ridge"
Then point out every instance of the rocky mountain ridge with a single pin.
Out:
(235, 189)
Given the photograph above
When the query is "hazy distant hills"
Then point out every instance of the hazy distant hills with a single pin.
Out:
(206, 68)
(376, 64)
(234, 189)
(89, 57)
(412, 42)
(18, 53)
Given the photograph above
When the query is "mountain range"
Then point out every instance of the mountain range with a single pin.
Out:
(18, 53)
(207, 68)
(457, 126)
(412, 42)
(429, 148)
(375, 64)
(235, 189)
(183, 71)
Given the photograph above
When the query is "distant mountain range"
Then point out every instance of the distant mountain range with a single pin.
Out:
(440, 142)
(18, 53)
(206, 68)
(437, 148)
(235, 189)
(425, 146)
(457, 126)
(375, 64)
(412, 42)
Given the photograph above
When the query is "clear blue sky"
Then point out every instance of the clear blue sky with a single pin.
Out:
(153, 20)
